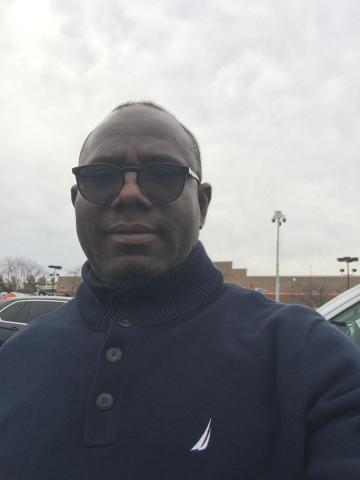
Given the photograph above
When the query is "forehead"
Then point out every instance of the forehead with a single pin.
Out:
(136, 133)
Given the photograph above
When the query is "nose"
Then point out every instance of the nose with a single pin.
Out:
(130, 193)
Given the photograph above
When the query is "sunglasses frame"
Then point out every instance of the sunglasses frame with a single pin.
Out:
(187, 172)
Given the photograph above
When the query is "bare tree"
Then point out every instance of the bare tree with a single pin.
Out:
(311, 293)
(30, 284)
(16, 270)
(2, 284)
(41, 280)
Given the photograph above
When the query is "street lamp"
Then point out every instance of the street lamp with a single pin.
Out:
(55, 267)
(278, 218)
(348, 260)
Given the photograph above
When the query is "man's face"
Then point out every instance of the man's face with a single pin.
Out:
(132, 239)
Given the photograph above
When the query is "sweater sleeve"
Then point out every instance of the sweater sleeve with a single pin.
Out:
(332, 405)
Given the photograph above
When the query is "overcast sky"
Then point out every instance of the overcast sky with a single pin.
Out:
(270, 89)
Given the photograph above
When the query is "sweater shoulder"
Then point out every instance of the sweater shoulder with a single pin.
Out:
(255, 303)
(45, 331)
(251, 311)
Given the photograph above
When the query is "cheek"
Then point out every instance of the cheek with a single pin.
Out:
(186, 221)
(87, 220)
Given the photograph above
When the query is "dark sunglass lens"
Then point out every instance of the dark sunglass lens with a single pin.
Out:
(100, 183)
(161, 183)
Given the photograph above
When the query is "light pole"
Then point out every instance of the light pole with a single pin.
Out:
(348, 260)
(55, 267)
(278, 218)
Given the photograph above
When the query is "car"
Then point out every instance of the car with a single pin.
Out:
(17, 312)
(344, 312)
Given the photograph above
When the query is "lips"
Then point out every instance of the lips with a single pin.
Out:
(133, 233)
(130, 229)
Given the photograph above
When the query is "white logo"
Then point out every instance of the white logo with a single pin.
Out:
(204, 440)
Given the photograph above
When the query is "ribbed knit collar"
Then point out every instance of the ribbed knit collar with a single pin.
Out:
(177, 292)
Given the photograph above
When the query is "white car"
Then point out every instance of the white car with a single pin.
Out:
(344, 312)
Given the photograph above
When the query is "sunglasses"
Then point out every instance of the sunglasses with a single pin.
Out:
(101, 183)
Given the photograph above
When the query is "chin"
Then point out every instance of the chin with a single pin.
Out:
(126, 271)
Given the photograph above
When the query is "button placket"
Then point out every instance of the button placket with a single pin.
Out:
(104, 404)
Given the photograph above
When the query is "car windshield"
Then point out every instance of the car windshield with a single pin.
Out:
(349, 322)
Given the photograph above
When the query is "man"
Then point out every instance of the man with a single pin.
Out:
(157, 370)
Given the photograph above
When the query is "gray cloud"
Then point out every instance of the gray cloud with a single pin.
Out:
(269, 88)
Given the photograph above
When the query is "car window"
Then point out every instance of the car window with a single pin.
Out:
(349, 322)
(39, 307)
(15, 312)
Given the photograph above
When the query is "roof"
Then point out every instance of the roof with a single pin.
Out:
(340, 303)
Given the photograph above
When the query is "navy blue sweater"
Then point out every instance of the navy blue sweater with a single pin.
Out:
(179, 378)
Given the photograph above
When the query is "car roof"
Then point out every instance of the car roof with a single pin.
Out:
(40, 298)
(340, 303)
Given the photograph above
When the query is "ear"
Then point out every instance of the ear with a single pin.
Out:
(204, 195)
(74, 192)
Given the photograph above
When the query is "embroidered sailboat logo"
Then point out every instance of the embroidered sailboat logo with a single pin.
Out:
(204, 440)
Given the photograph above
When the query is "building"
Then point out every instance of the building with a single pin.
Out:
(305, 289)
(67, 285)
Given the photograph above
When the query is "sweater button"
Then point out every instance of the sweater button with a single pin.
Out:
(113, 355)
(125, 322)
(104, 401)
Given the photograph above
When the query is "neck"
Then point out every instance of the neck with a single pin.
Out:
(168, 296)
